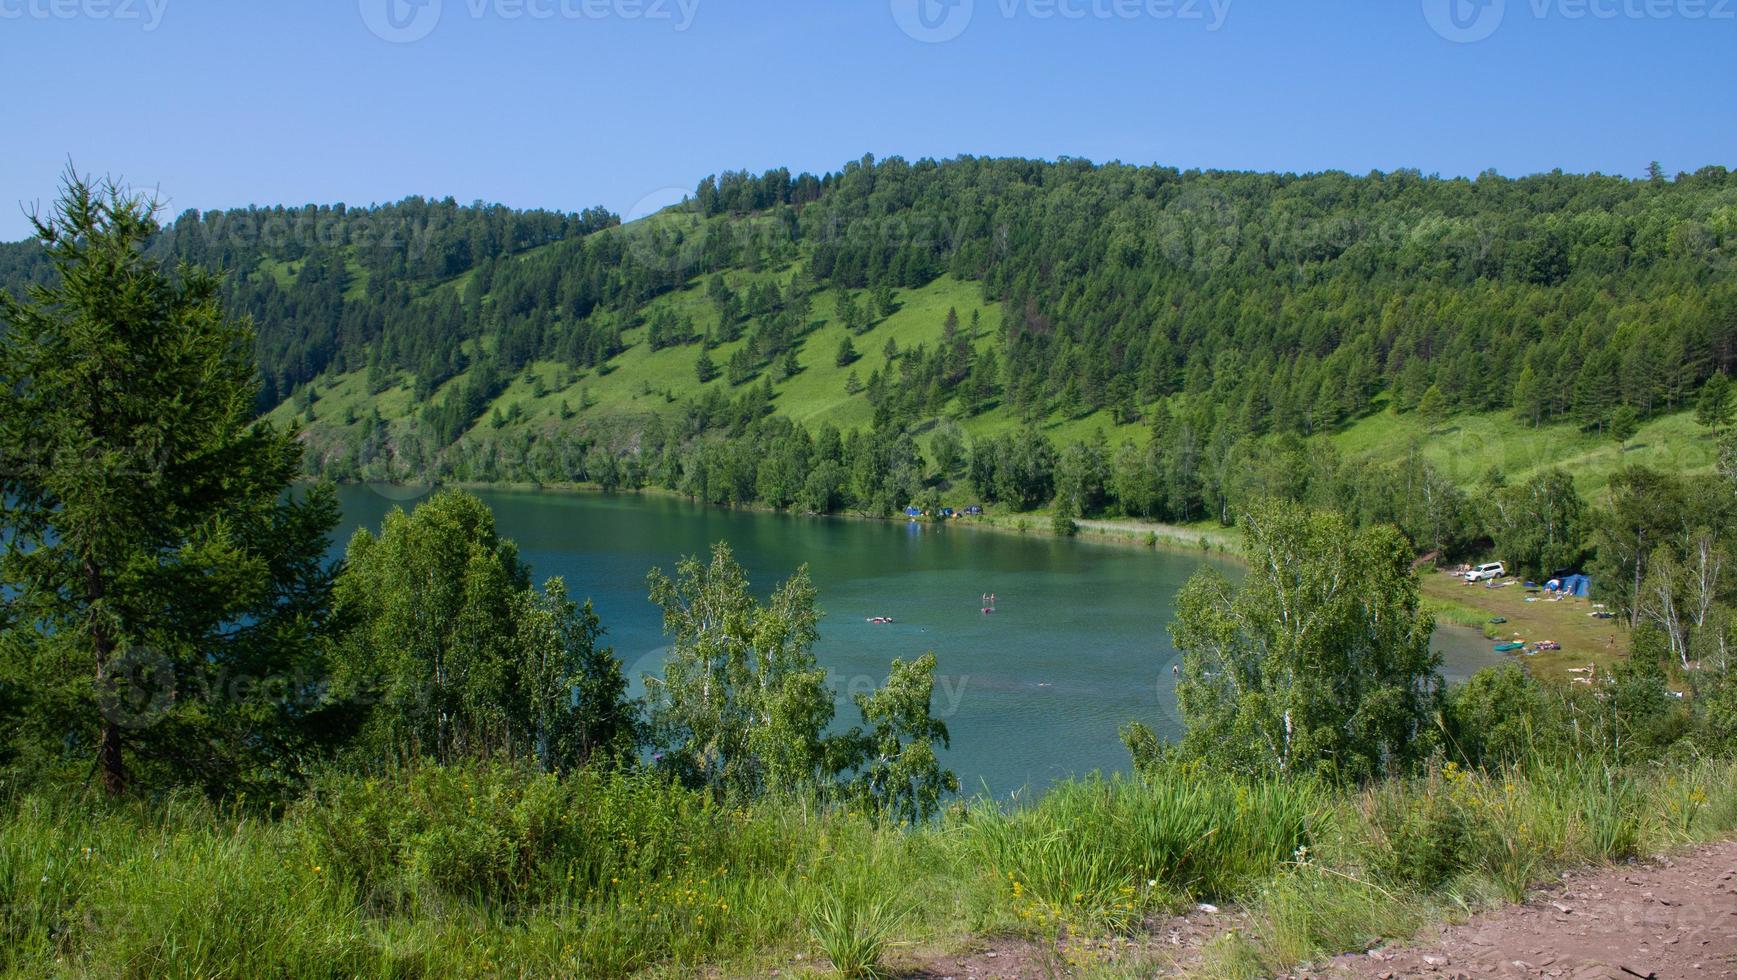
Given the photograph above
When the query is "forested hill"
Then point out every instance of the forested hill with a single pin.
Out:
(960, 299)
(325, 285)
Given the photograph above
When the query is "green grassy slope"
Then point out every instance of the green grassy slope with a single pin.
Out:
(1468, 446)
(641, 382)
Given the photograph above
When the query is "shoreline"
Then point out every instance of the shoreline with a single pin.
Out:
(1458, 609)
(1174, 539)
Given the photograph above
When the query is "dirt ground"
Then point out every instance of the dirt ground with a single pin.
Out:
(1673, 918)
(1667, 919)
(1165, 945)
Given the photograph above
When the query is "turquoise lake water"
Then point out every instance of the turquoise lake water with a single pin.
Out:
(1036, 692)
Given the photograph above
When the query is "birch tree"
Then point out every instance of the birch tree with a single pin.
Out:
(1318, 661)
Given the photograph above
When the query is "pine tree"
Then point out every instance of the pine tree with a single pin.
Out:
(1713, 408)
(704, 368)
(1432, 407)
(154, 559)
(847, 354)
(1624, 423)
(1529, 397)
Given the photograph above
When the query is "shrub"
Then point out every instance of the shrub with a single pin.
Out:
(1419, 833)
(1495, 717)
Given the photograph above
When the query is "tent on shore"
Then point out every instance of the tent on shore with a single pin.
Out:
(1578, 586)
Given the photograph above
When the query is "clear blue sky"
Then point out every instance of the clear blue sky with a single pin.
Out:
(222, 103)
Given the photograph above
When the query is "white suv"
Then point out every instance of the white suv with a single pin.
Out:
(1484, 573)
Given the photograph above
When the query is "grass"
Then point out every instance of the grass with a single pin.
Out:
(1585, 640)
(855, 933)
(1469, 446)
(641, 382)
(1492, 837)
(483, 871)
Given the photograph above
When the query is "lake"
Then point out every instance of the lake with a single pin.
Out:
(1036, 692)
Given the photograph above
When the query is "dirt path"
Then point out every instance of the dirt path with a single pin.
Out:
(1158, 950)
(1669, 919)
(1673, 918)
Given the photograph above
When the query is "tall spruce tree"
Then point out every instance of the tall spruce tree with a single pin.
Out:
(167, 596)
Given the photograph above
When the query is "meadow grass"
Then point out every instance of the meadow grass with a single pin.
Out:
(1468, 446)
(489, 871)
(1583, 638)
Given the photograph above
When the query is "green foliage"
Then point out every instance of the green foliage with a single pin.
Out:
(947, 447)
(1719, 718)
(899, 775)
(1319, 662)
(1662, 550)
(1713, 406)
(1311, 912)
(1121, 847)
(1539, 527)
(847, 354)
(1422, 834)
(705, 368)
(1500, 826)
(1498, 717)
(854, 934)
(165, 597)
(1433, 406)
(1526, 295)
(1017, 470)
(457, 656)
(1624, 423)
(481, 870)
(743, 706)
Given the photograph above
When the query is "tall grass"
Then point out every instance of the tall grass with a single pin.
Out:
(1399, 854)
(485, 871)
(1113, 849)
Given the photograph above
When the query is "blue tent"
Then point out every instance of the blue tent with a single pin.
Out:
(1578, 586)
(913, 512)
